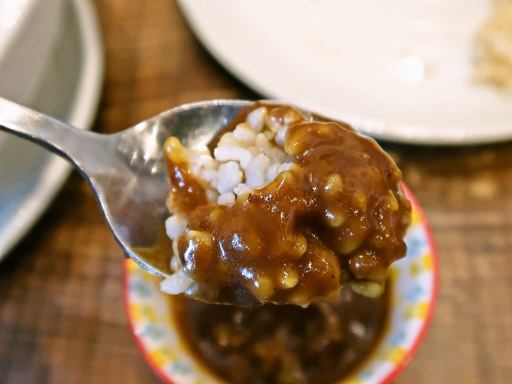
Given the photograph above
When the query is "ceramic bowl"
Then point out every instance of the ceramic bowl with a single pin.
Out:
(413, 297)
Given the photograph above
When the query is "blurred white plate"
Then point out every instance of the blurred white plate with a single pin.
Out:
(69, 89)
(398, 70)
(28, 30)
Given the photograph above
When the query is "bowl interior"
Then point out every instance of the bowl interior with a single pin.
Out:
(413, 295)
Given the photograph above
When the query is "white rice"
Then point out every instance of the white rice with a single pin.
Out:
(248, 158)
(177, 283)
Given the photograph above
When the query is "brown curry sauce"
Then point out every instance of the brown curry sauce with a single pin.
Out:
(283, 344)
(337, 218)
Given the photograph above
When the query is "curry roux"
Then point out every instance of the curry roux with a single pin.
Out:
(284, 344)
(338, 217)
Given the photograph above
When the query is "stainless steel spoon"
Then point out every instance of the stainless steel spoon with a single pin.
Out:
(126, 170)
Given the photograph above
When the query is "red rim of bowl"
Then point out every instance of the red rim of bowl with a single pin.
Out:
(399, 367)
(404, 362)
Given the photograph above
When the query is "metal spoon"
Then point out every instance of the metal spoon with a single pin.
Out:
(126, 170)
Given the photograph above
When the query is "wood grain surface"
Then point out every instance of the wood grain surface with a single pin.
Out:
(61, 311)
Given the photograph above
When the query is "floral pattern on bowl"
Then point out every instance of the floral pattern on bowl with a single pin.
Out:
(414, 293)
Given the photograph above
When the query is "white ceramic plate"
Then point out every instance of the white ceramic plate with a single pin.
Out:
(69, 89)
(398, 70)
(28, 31)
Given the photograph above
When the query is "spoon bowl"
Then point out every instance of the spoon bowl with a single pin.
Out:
(126, 170)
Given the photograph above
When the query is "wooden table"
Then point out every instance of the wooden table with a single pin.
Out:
(61, 311)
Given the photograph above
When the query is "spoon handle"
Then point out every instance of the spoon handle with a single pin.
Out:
(73, 144)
